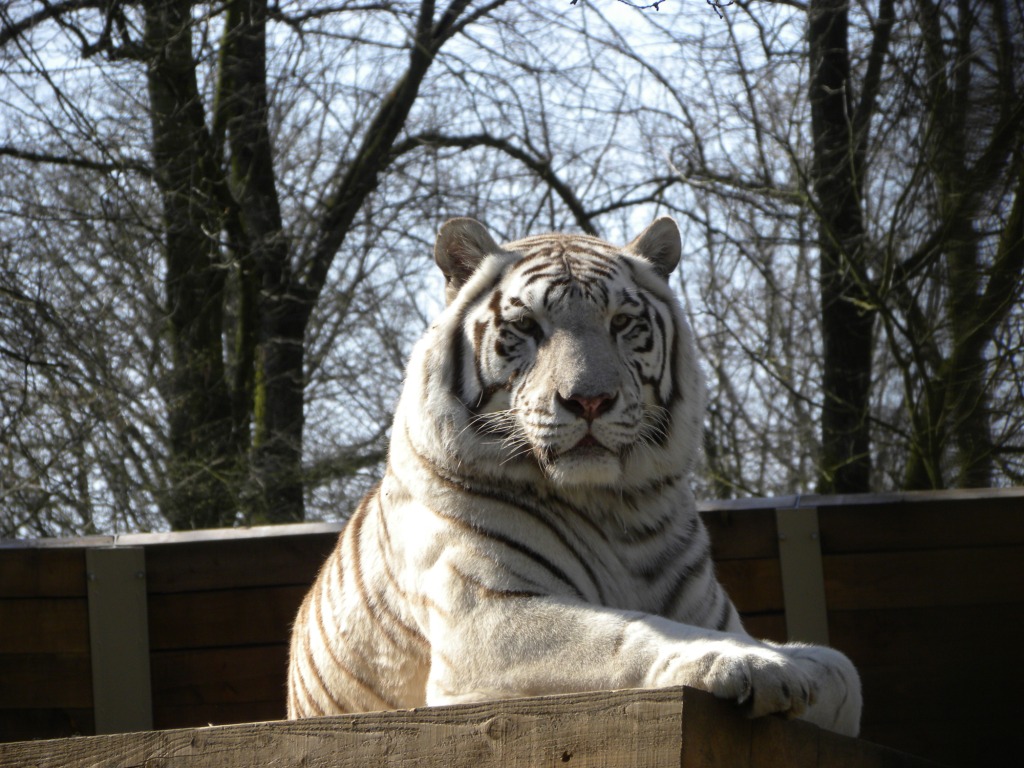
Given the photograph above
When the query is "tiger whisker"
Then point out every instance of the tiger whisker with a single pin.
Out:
(654, 429)
(492, 422)
(525, 450)
(506, 431)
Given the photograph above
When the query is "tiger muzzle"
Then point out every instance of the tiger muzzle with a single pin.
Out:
(583, 367)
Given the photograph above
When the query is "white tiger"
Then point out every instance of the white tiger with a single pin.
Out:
(534, 531)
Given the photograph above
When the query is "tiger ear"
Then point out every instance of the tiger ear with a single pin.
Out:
(659, 244)
(460, 247)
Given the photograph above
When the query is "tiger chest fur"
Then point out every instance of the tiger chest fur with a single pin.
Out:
(534, 531)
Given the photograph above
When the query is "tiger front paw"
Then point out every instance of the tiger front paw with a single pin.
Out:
(762, 680)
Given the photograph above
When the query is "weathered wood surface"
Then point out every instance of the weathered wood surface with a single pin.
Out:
(673, 727)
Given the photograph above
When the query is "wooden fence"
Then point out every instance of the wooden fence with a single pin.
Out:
(666, 728)
(925, 592)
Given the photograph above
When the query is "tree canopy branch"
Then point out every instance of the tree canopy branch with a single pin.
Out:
(542, 167)
(13, 29)
(362, 175)
(136, 166)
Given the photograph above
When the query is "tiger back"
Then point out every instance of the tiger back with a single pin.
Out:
(534, 531)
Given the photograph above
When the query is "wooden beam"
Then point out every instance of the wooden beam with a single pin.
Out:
(666, 728)
(119, 638)
(803, 578)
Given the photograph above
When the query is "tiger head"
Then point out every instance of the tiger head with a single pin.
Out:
(563, 359)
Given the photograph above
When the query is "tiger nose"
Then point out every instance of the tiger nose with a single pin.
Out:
(587, 407)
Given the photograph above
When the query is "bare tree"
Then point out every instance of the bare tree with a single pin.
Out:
(212, 160)
(81, 447)
(293, 173)
(850, 188)
(217, 221)
(952, 296)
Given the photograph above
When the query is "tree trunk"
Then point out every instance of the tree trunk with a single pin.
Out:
(280, 390)
(955, 409)
(847, 323)
(275, 491)
(202, 464)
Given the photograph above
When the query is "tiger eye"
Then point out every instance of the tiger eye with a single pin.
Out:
(526, 325)
(620, 323)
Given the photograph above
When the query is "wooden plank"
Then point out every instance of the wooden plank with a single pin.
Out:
(761, 503)
(917, 709)
(965, 496)
(167, 717)
(939, 524)
(714, 735)
(45, 722)
(924, 579)
(223, 617)
(613, 729)
(755, 586)
(969, 744)
(295, 531)
(930, 636)
(41, 572)
(912, 662)
(44, 680)
(604, 729)
(220, 675)
(742, 533)
(119, 638)
(975, 498)
(80, 542)
(46, 625)
(920, 696)
(237, 562)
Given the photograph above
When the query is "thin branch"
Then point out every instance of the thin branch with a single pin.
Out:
(362, 176)
(542, 167)
(76, 162)
(50, 11)
(873, 76)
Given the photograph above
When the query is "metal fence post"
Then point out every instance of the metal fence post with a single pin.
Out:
(119, 639)
(803, 578)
